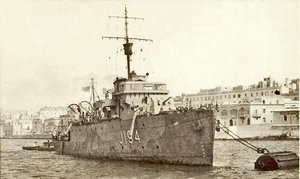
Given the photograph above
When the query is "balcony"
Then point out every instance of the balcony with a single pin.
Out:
(256, 115)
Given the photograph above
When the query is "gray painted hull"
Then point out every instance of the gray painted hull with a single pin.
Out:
(179, 138)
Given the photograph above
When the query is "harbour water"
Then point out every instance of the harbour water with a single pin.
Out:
(231, 160)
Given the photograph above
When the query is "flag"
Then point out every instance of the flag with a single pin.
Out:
(87, 88)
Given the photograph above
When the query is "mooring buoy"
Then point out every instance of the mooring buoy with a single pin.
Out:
(277, 160)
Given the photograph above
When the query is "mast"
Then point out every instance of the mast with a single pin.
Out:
(93, 91)
(127, 45)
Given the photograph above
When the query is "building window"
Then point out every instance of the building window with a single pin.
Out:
(229, 96)
(264, 110)
(285, 117)
(251, 94)
(277, 101)
(239, 95)
(230, 122)
(225, 96)
(264, 101)
(233, 96)
(266, 93)
(256, 93)
(248, 121)
(262, 93)
(264, 119)
(245, 94)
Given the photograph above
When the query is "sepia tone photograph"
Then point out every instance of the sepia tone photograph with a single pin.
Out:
(149, 89)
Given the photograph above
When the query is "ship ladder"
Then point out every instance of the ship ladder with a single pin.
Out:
(269, 160)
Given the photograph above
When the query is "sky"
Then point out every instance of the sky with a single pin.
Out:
(50, 49)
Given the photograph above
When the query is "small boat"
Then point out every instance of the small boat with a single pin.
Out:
(47, 146)
(35, 147)
(30, 147)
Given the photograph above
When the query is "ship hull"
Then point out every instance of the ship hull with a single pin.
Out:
(178, 138)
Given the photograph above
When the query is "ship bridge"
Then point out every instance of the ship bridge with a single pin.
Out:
(142, 87)
(138, 84)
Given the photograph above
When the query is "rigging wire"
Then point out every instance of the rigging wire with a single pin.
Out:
(97, 94)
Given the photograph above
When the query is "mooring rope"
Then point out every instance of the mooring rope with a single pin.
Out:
(239, 139)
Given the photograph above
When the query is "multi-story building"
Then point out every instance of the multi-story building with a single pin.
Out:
(257, 112)
(240, 94)
(37, 126)
(51, 112)
(22, 127)
(249, 120)
(2, 134)
(286, 120)
(178, 103)
(247, 111)
(50, 126)
(64, 123)
(7, 129)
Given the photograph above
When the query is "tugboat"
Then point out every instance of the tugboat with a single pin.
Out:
(139, 122)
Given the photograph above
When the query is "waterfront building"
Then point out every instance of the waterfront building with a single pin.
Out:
(50, 125)
(2, 134)
(249, 120)
(51, 112)
(7, 129)
(241, 94)
(17, 127)
(286, 120)
(64, 123)
(22, 127)
(248, 111)
(37, 126)
(178, 103)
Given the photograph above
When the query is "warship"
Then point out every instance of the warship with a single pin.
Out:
(138, 121)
